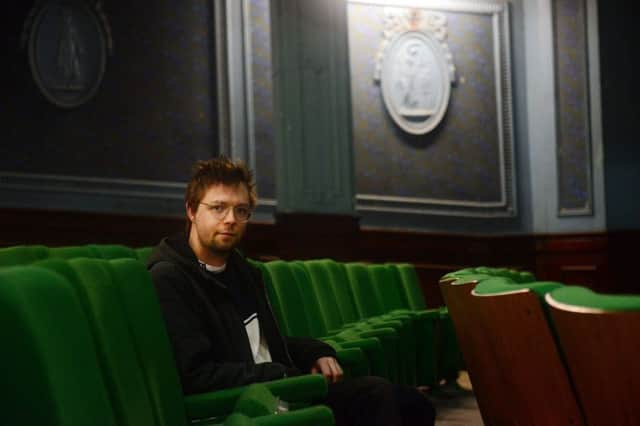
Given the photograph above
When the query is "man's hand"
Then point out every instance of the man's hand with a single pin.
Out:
(329, 368)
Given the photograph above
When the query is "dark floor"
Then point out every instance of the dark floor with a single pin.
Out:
(457, 407)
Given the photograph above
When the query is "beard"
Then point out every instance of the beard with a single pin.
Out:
(220, 244)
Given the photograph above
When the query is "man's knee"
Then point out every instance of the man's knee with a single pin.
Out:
(414, 406)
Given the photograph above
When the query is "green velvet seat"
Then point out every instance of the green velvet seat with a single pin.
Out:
(72, 252)
(600, 339)
(448, 356)
(370, 343)
(329, 281)
(400, 288)
(132, 403)
(114, 251)
(135, 352)
(143, 253)
(300, 317)
(313, 416)
(51, 374)
(22, 255)
(370, 307)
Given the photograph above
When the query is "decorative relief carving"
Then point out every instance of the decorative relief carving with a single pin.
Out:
(415, 68)
(67, 41)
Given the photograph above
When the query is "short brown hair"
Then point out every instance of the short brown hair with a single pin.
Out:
(219, 170)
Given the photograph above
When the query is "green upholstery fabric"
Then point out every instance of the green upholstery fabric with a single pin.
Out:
(143, 253)
(256, 401)
(514, 275)
(274, 299)
(22, 255)
(71, 252)
(370, 307)
(313, 416)
(51, 374)
(427, 323)
(286, 291)
(146, 324)
(411, 286)
(303, 318)
(419, 327)
(342, 291)
(114, 251)
(118, 356)
(498, 285)
(581, 297)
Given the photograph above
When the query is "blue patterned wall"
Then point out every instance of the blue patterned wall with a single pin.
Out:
(262, 98)
(152, 117)
(460, 159)
(572, 91)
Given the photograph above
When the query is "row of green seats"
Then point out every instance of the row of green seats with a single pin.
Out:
(93, 326)
(377, 308)
(564, 354)
(25, 254)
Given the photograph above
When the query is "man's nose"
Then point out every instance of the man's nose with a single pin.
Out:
(229, 216)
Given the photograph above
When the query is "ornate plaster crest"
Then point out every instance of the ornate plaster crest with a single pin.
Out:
(67, 42)
(415, 68)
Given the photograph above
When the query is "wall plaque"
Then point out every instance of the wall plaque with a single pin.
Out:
(415, 69)
(67, 47)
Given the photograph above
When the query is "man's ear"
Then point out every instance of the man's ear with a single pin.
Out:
(190, 213)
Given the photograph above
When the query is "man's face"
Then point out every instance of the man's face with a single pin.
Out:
(215, 232)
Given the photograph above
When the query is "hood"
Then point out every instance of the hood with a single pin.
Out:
(174, 249)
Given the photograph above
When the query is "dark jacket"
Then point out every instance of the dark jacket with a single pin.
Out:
(208, 336)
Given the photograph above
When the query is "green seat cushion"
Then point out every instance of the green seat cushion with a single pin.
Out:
(581, 297)
(22, 255)
(501, 285)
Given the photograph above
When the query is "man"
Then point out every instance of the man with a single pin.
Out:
(221, 324)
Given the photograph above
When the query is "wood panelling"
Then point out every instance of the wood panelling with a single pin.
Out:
(574, 259)
(597, 260)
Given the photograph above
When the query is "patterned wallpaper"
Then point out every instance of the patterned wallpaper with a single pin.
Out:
(152, 117)
(460, 159)
(262, 98)
(573, 145)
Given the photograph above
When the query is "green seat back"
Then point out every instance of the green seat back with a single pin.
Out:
(320, 282)
(315, 318)
(146, 322)
(116, 349)
(274, 299)
(387, 287)
(344, 296)
(22, 255)
(114, 251)
(287, 290)
(410, 283)
(143, 253)
(366, 299)
(51, 374)
(72, 252)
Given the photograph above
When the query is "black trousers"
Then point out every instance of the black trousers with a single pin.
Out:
(374, 401)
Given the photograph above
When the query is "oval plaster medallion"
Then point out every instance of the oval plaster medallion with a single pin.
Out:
(67, 52)
(415, 82)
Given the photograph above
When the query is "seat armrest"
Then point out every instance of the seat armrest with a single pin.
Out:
(220, 403)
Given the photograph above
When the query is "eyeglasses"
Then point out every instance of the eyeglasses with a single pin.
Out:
(219, 211)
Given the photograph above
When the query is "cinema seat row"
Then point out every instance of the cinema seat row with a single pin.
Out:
(87, 321)
(542, 353)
